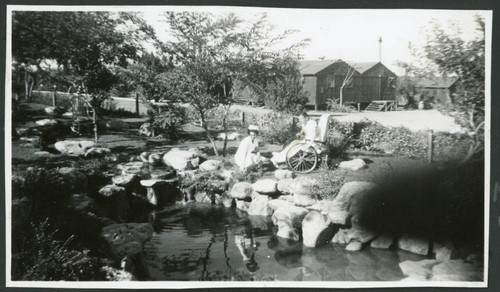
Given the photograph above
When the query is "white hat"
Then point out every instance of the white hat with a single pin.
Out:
(253, 128)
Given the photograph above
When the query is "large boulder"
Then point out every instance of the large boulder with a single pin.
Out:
(354, 164)
(289, 219)
(360, 234)
(181, 159)
(73, 148)
(457, 270)
(227, 200)
(354, 246)
(317, 229)
(341, 237)
(353, 195)
(242, 205)
(443, 251)
(414, 244)
(266, 186)
(276, 203)
(241, 190)
(303, 200)
(339, 217)
(259, 206)
(210, 165)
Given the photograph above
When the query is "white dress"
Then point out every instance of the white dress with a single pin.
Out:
(244, 157)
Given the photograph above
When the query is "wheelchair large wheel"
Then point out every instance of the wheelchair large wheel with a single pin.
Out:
(302, 158)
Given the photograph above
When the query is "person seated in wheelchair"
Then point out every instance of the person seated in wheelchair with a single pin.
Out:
(308, 133)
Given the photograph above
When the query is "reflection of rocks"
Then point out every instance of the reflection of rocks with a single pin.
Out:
(443, 251)
(414, 244)
(387, 267)
(259, 222)
(316, 229)
(287, 253)
(383, 241)
(457, 270)
(362, 266)
(419, 271)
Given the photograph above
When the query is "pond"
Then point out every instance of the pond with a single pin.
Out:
(209, 243)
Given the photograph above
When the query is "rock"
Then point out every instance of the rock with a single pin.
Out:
(144, 156)
(354, 246)
(146, 130)
(111, 191)
(46, 122)
(116, 275)
(124, 180)
(290, 215)
(266, 186)
(418, 270)
(414, 244)
(155, 159)
(303, 200)
(21, 210)
(352, 195)
(181, 159)
(298, 186)
(457, 270)
(96, 152)
(210, 165)
(341, 237)
(276, 203)
(80, 203)
(316, 229)
(230, 136)
(127, 238)
(283, 174)
(288, 198)
(227, 200)
(153, 187)
(354, 164)
(385, 240)
(116, 200)
(227, 174)
(242, 205)
(338, 217)
(202, 197)
(443, 251)
(259, 206)
(68, 115)
(73, 148)
(241, 190)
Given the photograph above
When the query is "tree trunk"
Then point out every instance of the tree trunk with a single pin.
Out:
(341, 95)
(94, 119)
(224, 125)
(209, 136)
(26, 85)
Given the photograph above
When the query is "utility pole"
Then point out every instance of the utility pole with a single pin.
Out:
(380, 49)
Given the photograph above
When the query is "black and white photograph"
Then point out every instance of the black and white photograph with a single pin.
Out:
(232, 146)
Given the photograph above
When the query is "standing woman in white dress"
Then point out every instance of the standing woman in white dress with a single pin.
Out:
(247, 154)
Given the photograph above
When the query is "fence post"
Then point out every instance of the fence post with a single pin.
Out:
(137, 104)
(242, 116)
(54, 96)
(430, 146)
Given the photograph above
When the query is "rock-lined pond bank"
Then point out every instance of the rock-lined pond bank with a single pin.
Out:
(353, 210)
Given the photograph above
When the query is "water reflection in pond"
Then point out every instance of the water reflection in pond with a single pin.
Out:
(201, 242)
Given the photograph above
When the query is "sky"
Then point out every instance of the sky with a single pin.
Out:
(347, 34)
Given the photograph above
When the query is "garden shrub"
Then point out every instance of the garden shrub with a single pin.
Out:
(211, 182)
(43, 257)
(169, 120)
(329, 184)
(275, 128)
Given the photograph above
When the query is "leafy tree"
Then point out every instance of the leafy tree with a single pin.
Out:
(86, 47)
(211, 55)
(453, 56)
